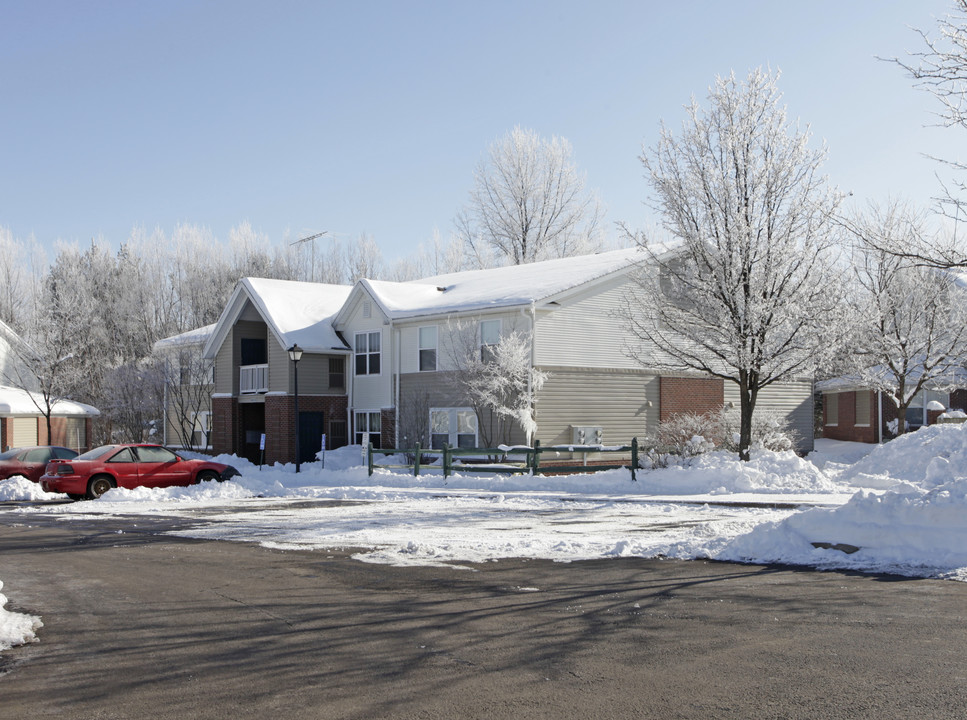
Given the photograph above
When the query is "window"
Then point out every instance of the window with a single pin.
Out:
(489, 336)
(862, 408)
(39, 455)
(125, 456)
(832, 409)
(155, 455)
(456, 427)
(337, 372)
(201, 427)
(367, 353)
(368, 422)
(428, 339)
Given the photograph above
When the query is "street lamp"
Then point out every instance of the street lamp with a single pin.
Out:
(295, 355)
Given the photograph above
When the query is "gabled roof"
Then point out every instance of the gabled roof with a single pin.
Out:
(198, 336)
(295, 312)
(495, 288)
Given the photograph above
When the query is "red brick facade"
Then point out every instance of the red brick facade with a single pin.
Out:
(58, 432)
(846, 428)
(237, 427)
(689, 395)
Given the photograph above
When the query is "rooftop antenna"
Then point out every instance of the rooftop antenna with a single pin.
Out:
(312, 260)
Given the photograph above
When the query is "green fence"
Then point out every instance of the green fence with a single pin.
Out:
(515, 460)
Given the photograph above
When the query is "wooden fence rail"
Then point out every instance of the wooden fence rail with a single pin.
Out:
(498, 460)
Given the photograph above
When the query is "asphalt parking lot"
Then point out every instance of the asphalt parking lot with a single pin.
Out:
(142, 625)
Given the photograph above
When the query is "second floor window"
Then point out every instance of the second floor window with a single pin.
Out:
(489, 336)
(428, 346)
(367, 353)
(337, 372)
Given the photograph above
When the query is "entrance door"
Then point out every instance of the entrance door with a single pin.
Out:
(253, 425)
(311, 427)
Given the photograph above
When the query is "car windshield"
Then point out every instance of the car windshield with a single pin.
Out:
(10, 454)
(96, 452)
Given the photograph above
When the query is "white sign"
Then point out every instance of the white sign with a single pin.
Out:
(262, 442)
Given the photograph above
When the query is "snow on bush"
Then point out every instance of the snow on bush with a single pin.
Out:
(16, 628)
(909, 533)
(925, 458)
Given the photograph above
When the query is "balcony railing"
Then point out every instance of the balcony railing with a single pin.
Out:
(253, 379)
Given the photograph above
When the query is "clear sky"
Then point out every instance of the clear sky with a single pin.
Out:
(300, 116)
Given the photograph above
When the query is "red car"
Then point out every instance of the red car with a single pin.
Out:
(29, 462)
(129, 466)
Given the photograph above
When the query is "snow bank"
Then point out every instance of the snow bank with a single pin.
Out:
(918, 533)
(16, 628)
(721, 473)
(20, 488)
(925, 458)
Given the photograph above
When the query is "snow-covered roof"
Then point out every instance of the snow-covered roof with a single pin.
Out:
(954, 377)
(14, 401)
(494, 288)
(198, 336)
(295, 312)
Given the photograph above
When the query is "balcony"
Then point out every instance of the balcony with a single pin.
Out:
(253, 379)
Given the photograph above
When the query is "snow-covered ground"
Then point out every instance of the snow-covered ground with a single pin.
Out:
(898, 508)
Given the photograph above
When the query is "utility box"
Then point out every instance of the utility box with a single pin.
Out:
(587, 435)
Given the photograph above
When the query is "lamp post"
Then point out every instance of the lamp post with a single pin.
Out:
(295, 355)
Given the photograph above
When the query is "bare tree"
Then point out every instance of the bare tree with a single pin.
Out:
(910, 321)
(529, 203)
(746, 292)
(187, 378)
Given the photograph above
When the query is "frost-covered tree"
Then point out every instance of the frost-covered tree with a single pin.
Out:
(529, 203)
(909, 321)
(746, 291)
(498, 380)
(941, 70)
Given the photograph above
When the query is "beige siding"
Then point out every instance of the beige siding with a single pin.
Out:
(794, 399)
(454, 337)
(625, 403)
(586, 331)
(370, 392)
(226, 382)
(280, 377)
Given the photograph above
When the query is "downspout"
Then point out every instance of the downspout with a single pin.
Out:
(533, 338)
(879, 420)
(395, 377)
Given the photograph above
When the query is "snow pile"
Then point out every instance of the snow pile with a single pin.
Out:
(917, 533)
(16, 628)
(20, 488)
(721, 473)
(926, 458)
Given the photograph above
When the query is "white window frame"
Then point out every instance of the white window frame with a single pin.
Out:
(487, 345)
(421, 348)
(453, 425)
(368, 334)
(358, 433)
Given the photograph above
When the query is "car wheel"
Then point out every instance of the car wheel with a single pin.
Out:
(206, 475)
(99, 485)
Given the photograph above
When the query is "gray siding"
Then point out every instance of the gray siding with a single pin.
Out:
(794, 399)
(625, 403)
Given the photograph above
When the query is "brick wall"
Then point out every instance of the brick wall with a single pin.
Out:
(225, 426)
(280, 421)
(689, 395)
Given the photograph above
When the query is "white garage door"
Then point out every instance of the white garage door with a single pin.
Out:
(24, 432)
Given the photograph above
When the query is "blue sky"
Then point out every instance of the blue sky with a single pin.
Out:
(370, 117)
